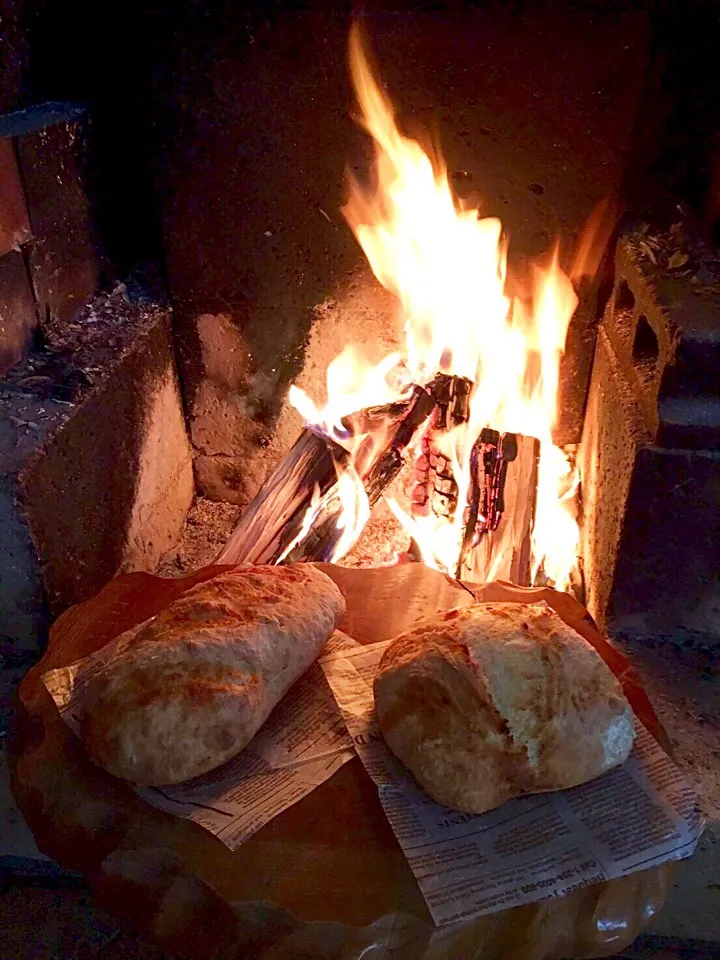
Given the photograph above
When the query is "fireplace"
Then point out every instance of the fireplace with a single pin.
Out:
(174, 259)
(239, 143)
(453, 427)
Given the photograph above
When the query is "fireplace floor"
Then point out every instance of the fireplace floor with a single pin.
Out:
(209, 524)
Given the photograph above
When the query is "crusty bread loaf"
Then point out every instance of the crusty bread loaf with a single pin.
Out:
(498, 700)
(196, 682)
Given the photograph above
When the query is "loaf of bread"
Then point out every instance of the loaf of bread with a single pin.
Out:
(498, 700)
(195, 683)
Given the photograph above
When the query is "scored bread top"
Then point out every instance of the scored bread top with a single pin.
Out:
(497, 700)
(249, 595)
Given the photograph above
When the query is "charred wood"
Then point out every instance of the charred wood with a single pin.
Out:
(274, 518)
(308, 476)
(501, 507)
(452, 396)
(391, 462)
(435, 489)
(324, 535)
(498, 513)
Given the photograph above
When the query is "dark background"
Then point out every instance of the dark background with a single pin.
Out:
(145, 67)
(221, 132)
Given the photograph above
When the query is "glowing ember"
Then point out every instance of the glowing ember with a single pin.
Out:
(447, 267)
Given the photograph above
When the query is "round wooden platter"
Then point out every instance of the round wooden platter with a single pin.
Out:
(326, 878)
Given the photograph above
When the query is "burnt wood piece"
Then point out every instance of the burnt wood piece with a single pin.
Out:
(452, 396)
(321, 539)
(479, 508)
(274, 518)
(501, 508)
(501, 496)
(489, 461)
(324, 535)
(373, 419)
(391, 462)
(436, 489)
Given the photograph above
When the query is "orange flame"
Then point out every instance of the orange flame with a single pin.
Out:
(448, 267)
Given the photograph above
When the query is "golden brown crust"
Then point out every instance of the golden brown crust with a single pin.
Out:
(194, 684)
(499, 700)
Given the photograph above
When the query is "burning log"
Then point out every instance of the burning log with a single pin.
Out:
(325, 533)
(392, 461)
(498, 514)
(452, 396)
(307, 478)
(436, 489)
(298, 513)
(274, 518)
(501, 507)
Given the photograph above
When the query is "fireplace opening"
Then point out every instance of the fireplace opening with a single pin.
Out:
(231, 176)
(469, 396)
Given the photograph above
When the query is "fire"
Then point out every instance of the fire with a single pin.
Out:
(448, 268)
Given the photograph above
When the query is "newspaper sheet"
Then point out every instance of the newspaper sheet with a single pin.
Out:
(636, 816)
(302, 743)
